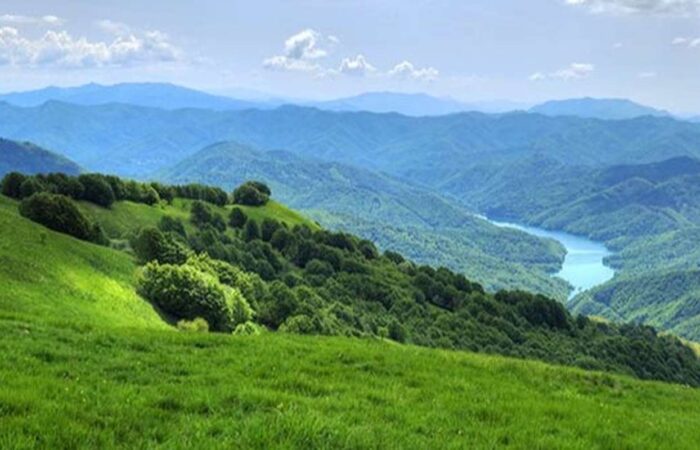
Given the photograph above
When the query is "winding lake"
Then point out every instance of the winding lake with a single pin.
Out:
(583, 265)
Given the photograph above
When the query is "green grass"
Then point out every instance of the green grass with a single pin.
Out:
(136, 389)
(48, 275)
(124, 217)
(87, 363)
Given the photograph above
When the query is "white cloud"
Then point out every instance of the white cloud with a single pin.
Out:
(407, 70)
(575, 71)
(302, 51)
(647, 75)
(15, 19)
(686, 42)
(357, 66)
(61, 49)
(306, 50)
(653, 7)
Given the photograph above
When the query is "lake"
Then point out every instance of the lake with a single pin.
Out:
(583, 265)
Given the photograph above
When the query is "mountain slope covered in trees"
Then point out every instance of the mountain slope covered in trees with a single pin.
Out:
(647, 213)
(398, 216)
(137, 141)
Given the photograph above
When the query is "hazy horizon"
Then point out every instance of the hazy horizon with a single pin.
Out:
(311, 50)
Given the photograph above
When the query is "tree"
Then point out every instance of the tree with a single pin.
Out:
(251, 231)
(59, 213)
(268, 228)
(251, 193)
(31, 186)
(237, 218)
(202, 214)
(11, 184)
(169, 224)
(97, 189)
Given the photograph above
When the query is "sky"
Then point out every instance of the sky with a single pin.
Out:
(518, 50)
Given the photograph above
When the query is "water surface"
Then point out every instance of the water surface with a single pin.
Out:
(583, 264)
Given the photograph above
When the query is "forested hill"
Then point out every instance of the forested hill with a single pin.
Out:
(29, 158)
(415, 221)
(253, 265)
(136, 141)
(647, 213)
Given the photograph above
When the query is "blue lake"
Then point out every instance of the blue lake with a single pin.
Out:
(583, 265)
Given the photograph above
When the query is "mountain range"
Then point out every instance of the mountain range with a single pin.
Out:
(28, 158)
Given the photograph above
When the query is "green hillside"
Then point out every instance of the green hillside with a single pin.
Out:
(65, 282)
(412, 220)
(88, 363)
(29, 158)
(647, 213)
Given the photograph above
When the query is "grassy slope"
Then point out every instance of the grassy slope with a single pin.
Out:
(63, 280)
(83, 365)
(125, 216)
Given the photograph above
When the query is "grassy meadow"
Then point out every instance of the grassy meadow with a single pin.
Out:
(87, 363)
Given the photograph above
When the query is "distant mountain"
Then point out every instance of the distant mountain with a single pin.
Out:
(397, 215)
(136, 141)
(387, 102)
(607, 109)
(415, 105)
(28, 158)
(156, 95)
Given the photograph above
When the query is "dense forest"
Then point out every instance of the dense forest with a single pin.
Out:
(226, 270)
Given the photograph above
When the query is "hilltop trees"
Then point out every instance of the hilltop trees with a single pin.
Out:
(251, 193)
(59, 213)
(11, 184)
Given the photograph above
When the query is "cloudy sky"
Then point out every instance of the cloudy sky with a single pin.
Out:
(528, 51)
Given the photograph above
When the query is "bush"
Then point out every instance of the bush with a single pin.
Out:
(251, 193)
(198, 325)
(97, 189)
(59, 213)
(187, 293)
(11, 184)
(151, 244)
(247, 329)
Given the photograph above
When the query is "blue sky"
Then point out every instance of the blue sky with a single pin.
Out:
(527, 51)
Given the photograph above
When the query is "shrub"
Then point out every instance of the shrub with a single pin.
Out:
(247, 329)
(237, 218)
(97, 189)
(187, 293)
(197, 325)
(151, 244)
(251, 193)
(11, 184)
(59, 213)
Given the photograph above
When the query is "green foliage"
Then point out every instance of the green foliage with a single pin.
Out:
(59, 213)
(187, 293)
(247, 329)
(251, 193)
(97, 189)
(202, 215)
(31, 186)
(237, 218)
(11, 185)
(151, 244)
(198, 325)
(251, 231)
